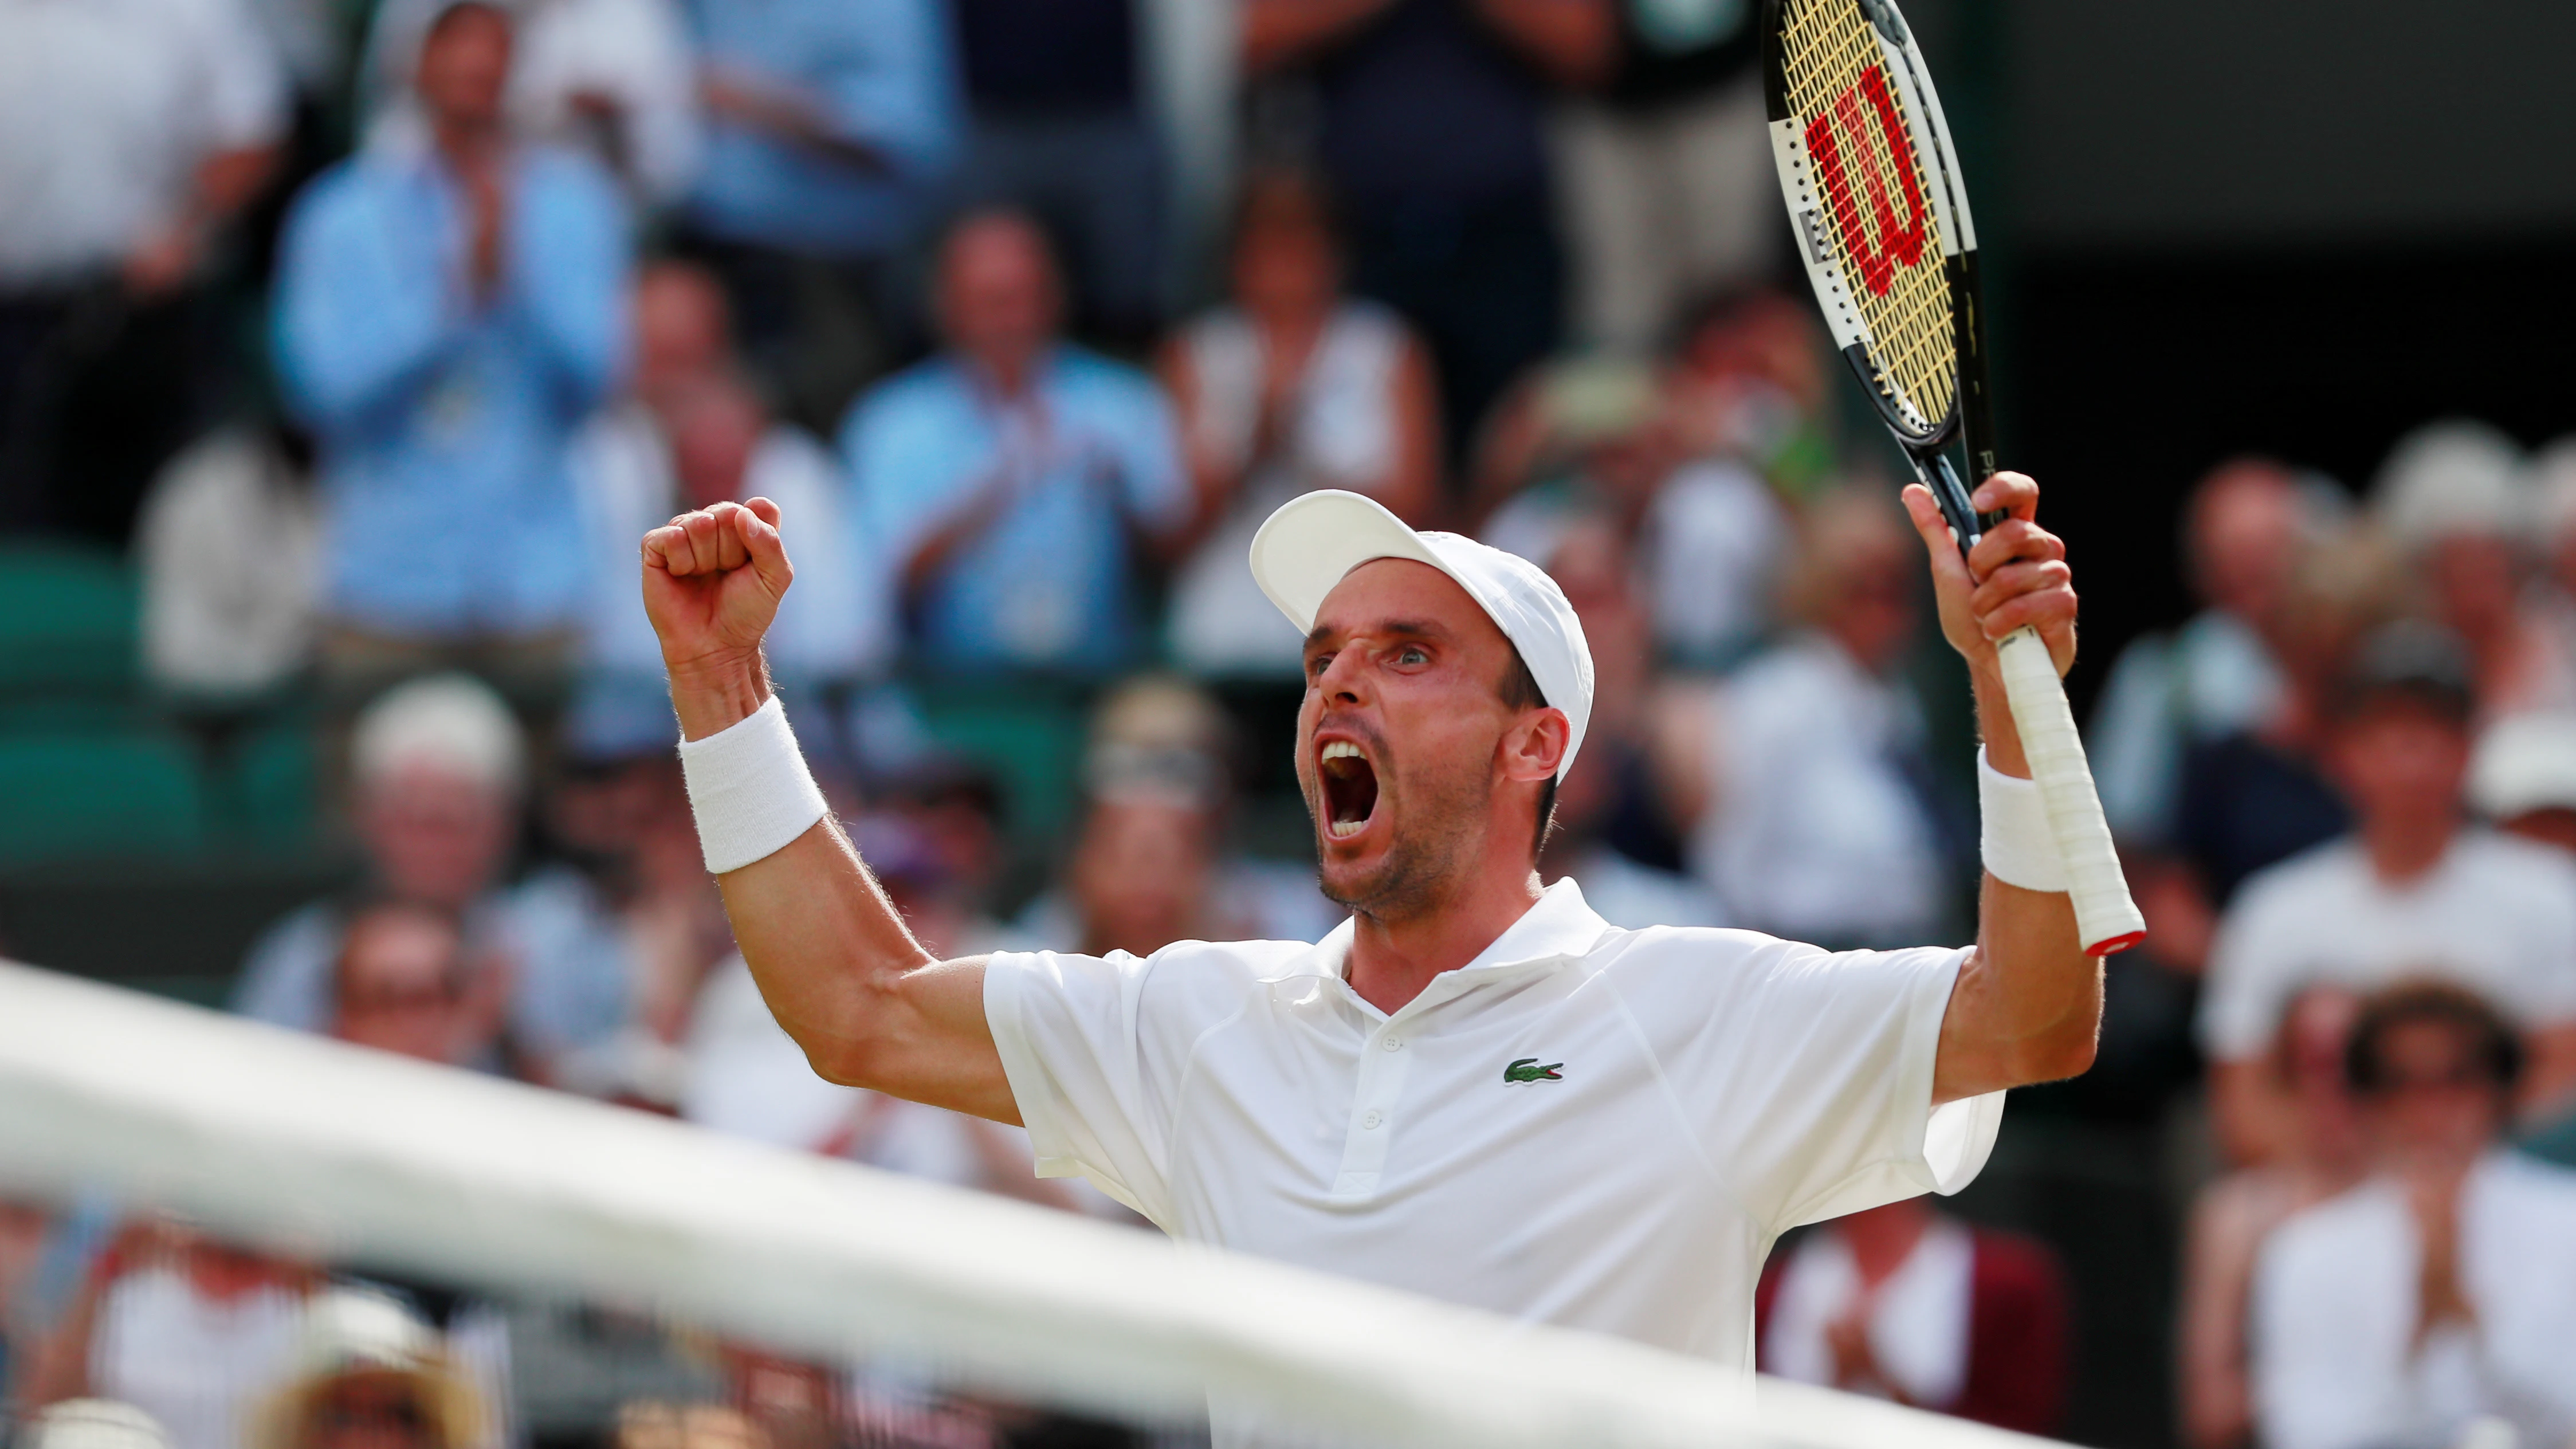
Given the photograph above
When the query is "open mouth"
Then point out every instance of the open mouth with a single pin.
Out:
(1350, 789)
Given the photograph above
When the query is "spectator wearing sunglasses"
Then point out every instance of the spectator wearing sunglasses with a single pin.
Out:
(369, 1375)
(2442, 1291)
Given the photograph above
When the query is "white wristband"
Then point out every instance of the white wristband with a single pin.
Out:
(2018, 846)
(749, 788)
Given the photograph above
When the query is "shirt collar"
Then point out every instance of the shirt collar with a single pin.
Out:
(1558, 925)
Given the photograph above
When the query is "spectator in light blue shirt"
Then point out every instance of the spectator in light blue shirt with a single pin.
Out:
(1017, 477)
(447, 313)
(830, 125)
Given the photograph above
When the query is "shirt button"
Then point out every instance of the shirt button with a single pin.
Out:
(1372, 1119)
(1395, 1043)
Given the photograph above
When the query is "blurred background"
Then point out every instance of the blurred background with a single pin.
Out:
(347, 347)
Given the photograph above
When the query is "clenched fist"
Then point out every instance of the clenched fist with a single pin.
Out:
(712, 582)
(2018, 575)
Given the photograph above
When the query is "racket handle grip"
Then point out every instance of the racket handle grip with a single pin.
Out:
(2105, 917)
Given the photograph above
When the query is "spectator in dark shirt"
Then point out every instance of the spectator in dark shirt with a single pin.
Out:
(131, 133)
(1667, 172)
(2247, 530)
(1432, 132)
(2247, 803)
(2255, 793)
(1055, 91)
(1611, 835)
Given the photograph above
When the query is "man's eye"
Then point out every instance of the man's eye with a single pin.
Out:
(1412, 654)
(1316, 666)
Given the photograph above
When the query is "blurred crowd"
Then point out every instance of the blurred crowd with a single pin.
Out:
(377, 334)
(2346, 788)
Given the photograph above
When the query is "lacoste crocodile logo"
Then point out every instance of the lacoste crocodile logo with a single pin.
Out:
(1527, 1069)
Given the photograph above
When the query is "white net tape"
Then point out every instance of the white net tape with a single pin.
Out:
(304, 1146)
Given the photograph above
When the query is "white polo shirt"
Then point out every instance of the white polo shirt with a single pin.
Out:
(2332, 1324)
(1585, 1126)
(2496, 915)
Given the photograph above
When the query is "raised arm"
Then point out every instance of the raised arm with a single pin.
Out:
(2028, 1004)
(838, 967)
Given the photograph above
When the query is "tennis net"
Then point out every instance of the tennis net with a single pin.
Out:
(328, 1154)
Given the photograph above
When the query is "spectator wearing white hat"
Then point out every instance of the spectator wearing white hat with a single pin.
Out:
(95, 1424)
(439, 770)
(2522, 777)
(369, 1375)
(2456, 497)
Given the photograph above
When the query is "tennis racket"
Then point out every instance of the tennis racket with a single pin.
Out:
(1874, 195)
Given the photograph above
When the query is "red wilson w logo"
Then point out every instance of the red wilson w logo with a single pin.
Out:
(1898, 245)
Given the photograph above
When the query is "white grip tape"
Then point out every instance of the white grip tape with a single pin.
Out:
(749, 789)
(2014, 839)
(2105, 917)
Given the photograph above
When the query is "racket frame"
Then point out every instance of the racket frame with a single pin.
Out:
(2107, 918)
(1926, 442)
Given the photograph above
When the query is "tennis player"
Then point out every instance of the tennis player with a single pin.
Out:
(1475, 1088)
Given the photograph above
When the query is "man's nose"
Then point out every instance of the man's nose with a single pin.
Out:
(1341, 680)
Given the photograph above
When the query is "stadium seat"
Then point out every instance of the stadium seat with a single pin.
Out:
(67, 622)
(271, 788)
(1029, 732)
(102, 795)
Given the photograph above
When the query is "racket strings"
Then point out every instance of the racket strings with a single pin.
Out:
(1878, 221)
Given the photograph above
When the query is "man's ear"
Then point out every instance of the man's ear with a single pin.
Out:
(1534, 747)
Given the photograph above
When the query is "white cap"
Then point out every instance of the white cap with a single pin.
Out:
(360, 1331)
(94, 1424)
(451, 723)
(2524, 762)
(2450, 478)
(2554, 484)
(1313, 540)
